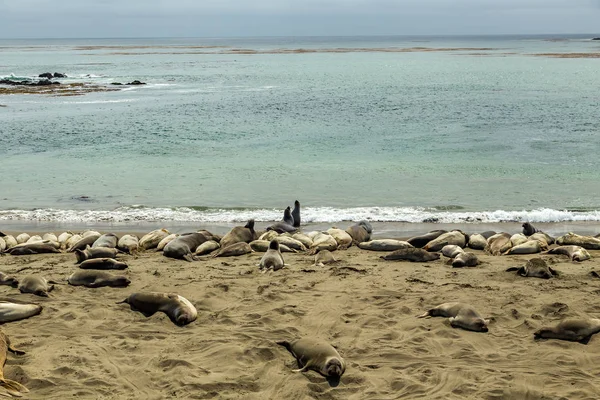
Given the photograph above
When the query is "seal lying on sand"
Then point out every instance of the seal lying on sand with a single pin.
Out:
(422, 240)
(460, 315)
(14, 310)
(179, 309)
(343, 238)
(324, 257)
(35, 285)
(236, 249)
(152, 239)
(272, 259)
(8, 280)
(84, 242)
(477, 241)
(535, 268)
(32, 248)
(98, 252)
(498, 244)
(95, 279)
(465, 259)
(575, 253)
(384, 245)
(103, 263)
(528, 247)
(574, 330)
(411, 254)
(13, 388)
(322, 241)
(238, 234)
(128, 244)
(587, 242)
(183, 246)
(316, 355)
(360, 232)
(109, 240)
(455, 237)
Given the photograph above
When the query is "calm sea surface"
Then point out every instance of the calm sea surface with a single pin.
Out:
(457, 129)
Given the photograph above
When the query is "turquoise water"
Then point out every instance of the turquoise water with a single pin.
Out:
(488, 135)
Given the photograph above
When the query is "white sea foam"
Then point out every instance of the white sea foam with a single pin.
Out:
(309, 215)
(100, 101)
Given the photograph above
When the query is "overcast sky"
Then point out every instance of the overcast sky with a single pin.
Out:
(222, 18)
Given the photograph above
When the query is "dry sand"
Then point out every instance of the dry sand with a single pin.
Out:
(85, 346)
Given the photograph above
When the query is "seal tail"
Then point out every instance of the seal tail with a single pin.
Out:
(123, 302)
(13, 388)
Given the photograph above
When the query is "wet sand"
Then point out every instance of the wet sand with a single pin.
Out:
(83, 345)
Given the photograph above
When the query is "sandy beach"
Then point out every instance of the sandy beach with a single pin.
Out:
(85, 346)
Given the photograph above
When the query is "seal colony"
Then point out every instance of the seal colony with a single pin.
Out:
(335, 287)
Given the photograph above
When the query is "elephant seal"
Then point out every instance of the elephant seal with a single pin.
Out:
(574, 330)
(63, 238)
(360, 232)
(282, 227)
(14, 310)
(587, 242)
(103, 263)
(22, 238)
(35, 285)
(32, 248)
(575, 253)
(343, 238)
(34, 239)
(2, 245)
(8, 280)
(517, 239)
(236, 249)
(13, 388)
(529, 229)
(302, 238)
(179, 309)
(10, 241)
(452, 250)
(316, 355)
(268, 236)
(244, 234)
(290, 243)
(128, 244)
(91, 233)
(411, 254)
(296, 214)
(384, 245)
(98, 252)
(465, 259)
(262, 246)
(324, 257)
(84, 242)
(151, 239)
(422, 240)
(529, 247)
(272, 259)
(287, 216)
(498, 244)
(183, 246)
(322, 241)
(460, 315)
(165, 241)
(95, 279)
(206, 248)
(455, 237)
(535, 268)
(72, 241)
(477, 241)
(49, 236)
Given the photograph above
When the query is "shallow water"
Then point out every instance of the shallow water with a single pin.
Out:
(449, 136)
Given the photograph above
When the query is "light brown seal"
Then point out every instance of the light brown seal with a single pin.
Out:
(179, 309)
(456, 237)
(12, 387)
(324, 257)
(95, 279)
(109, 240)
(460, 315)
(535, 268)
(421, 240)
(574, 330)
(587, 242)
(97, 252)
(465, 259)
(360, 232)
(128, 244)
(207, 247)
(272, 259)
(477, 241)
(8, 280)
(451, 250)
(35, 285)
(32, 248)
(316, 355)
(84, 242)
(322, 241)
(343, 238)
(103, 264)
(236, 249)
(384, 245)
(528, 247)
(575, 253)
(238, 234)
(498, 244)
(184, 245)
(152, 239)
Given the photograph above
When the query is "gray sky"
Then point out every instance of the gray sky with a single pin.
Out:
(219, 18)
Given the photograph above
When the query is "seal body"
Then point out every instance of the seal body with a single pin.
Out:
(316, 355)
(12, 310)
(35, 285)
(324, 257)
(102, 264)
(322, 241)
(183, 246)
(575, 253)
(460, 315)
(536, 268)
(452, 250)
(84, 242)
(498, 244)
(421, 240)
(477, 242)
(343, 238)
(411, 254)
(244, 234)
(207, 247)
(152, 239)
(465, 259)
(287, 216)
(236, 249)
(587, 242)
(574, 330)
(128, 244)
(97, 252)
(12, 387)
(272, 259)
(360, 232)
(528, 229)
(179, 309)
(32, 248)
(8, 280)
(457, 238)
(384, 245)
(109, 240)
(94, 279)
(528, 247)
(296, 214)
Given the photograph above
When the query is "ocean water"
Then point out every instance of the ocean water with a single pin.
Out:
(458, 129)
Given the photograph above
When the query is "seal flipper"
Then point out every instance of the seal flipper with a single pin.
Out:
(15, 351)
(512, 269)
(425, 315)
(303, 369)
(12, 387)
(189, 257)
(553, 271)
